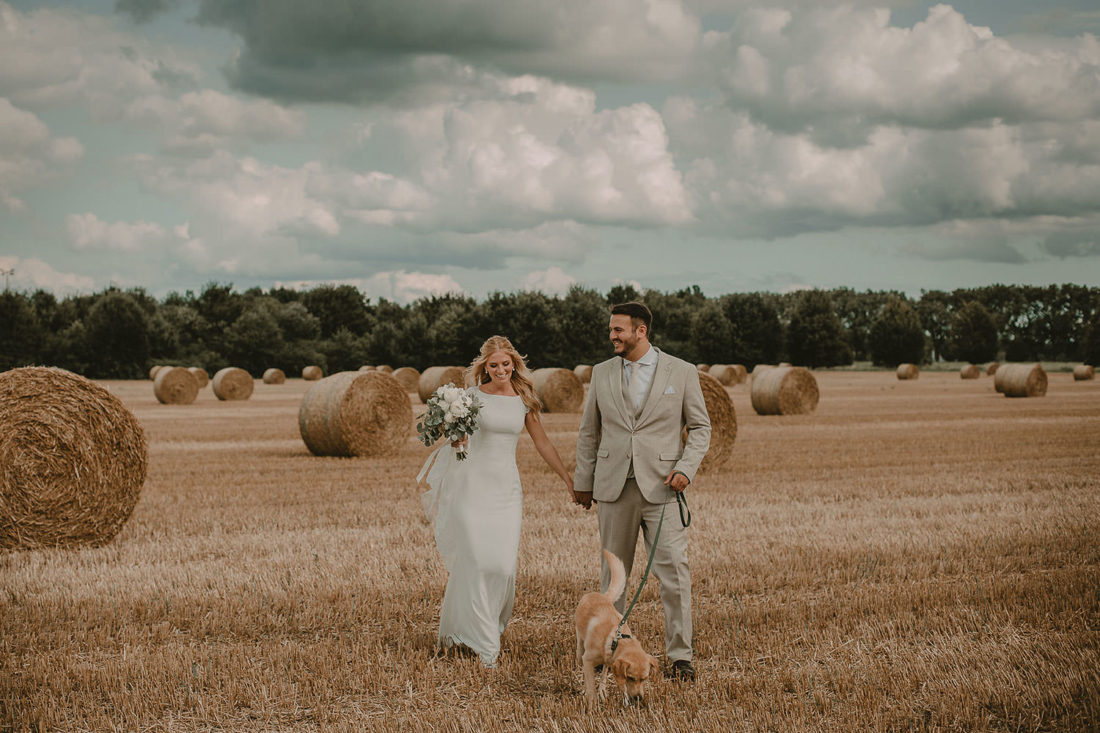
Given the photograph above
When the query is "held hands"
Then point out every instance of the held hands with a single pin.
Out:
(677, 481)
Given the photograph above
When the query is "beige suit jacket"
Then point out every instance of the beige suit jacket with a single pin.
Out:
(611, 436)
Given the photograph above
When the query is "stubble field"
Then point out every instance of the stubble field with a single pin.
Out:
(913, 556)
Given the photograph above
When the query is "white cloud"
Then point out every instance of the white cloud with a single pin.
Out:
(399, 286)
(552, 280)
(29, 154)
(201, 123)
(61, 56)
(87, 231)
(32, 273)
(831, 68)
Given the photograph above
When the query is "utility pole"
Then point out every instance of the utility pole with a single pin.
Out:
(7, 274)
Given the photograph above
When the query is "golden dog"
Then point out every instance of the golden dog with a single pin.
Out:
(596, 621)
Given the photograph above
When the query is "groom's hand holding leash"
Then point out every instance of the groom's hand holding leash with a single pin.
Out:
(677, 481)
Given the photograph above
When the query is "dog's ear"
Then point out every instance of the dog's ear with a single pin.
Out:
(654, 666)
(618, 669)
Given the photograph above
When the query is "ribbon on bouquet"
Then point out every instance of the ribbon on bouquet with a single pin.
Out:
(432, 472)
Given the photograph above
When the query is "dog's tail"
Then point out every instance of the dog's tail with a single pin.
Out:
(618, 577)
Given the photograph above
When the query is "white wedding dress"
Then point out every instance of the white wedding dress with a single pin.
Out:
(477, 505)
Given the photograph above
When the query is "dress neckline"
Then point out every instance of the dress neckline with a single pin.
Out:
(479, 389)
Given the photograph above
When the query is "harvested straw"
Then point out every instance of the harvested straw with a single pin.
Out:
(154, 369)
(408, 377)
(559, 390)
(435, 377)
(232, 383)
(274, 376)
(784, 391)
(1021, 380)
(742, 373)
(970, 371)
(908, 371)
(385, 368)
(991, 369)
(784, 364)
(1083, 373)
(200, 376)
(73, 460)
(367, 368)
(723, 423)
(724, 373)
(175, 386)
(584, 373)
(703, 367)
(760, 369)
(312, 373)
(355, 414)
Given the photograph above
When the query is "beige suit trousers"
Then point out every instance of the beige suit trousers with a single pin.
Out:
(620, 521)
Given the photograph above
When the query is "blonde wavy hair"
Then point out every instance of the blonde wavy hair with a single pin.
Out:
(521, 376)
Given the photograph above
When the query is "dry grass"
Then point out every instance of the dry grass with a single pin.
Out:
(910, 556)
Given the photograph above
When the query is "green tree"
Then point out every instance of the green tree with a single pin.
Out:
(338, 306)
(254, 340)
(896, 336)
(934, 309)
(757, 334)
(973, 335)
(711, 333)
(815, 337)
(117, 333)
(584, 317)
(344, 351)
(20, 331)
(1091, 340)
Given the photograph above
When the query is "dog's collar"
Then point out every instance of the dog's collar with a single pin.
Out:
(615, 641)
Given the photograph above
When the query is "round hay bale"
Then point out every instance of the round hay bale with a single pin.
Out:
(435, 377)
(312, 373)
(153, 371)
(559, 390)
(584, 373)
(991, 369)
(274, 376)
(742, 373)
(385, 368)
(366, 368)
(703, 367)
(908, 371)
(784, 391)
(784, 364)
(1083, 373)
(408, 377)
(970, 371)
(200, 376)
(232, 383)
(73, 460)
(355, 414)
(760, 369)
(723, 424)
(724, 373)
(1022, 380)
(175, 386)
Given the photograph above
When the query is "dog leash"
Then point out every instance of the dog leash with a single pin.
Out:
(645, 576)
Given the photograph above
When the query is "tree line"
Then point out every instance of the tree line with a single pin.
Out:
(122, 333)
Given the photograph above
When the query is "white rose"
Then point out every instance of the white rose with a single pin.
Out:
(459, 410)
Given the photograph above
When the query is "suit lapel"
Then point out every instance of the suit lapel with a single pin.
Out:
(657, 388)
(616, 384)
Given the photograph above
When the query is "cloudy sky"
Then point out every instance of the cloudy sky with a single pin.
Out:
(420, 146)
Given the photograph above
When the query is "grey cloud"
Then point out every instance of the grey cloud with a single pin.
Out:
(994, 250)
(328, 49)
(143, 11)
(1072, 244)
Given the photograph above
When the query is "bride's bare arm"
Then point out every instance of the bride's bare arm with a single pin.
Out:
(546, 449)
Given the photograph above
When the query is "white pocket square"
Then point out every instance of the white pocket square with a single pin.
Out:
(670, 390)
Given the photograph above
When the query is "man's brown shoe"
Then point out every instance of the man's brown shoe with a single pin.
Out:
(682, 670)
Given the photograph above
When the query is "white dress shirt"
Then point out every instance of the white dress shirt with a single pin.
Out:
(642, 370)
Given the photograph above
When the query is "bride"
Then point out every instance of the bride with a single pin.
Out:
(477, 503)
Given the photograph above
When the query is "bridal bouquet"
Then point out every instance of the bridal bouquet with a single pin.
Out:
(452, 414)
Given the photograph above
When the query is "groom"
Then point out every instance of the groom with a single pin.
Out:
(630, 460)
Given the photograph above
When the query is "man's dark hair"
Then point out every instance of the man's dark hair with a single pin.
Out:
(638, 313)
